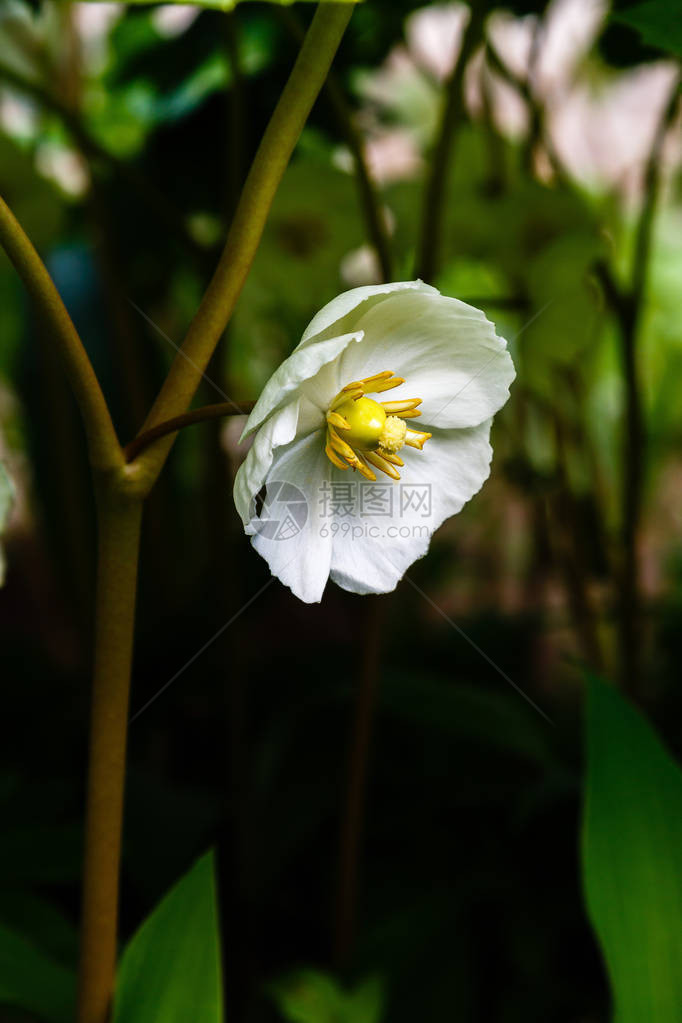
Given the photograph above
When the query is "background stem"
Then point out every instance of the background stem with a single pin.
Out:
(356, 786)
(428, 257)
(118, 521)
(270, 162)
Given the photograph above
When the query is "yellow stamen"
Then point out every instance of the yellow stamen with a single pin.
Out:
(340, 446)
(338, 421)
(334, 458)
(410, 414)
(365, 470)
(344, 396)
(373, 432)
(394, 408)
(416, 439)
(379, 460)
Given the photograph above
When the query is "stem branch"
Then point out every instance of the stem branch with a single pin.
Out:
(198, 415)
(105, 451)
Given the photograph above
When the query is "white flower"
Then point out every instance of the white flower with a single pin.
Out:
(339, 499)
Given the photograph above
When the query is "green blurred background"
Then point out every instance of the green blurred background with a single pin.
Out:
(125, 134)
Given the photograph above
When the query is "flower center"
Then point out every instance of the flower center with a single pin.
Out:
(362, 432)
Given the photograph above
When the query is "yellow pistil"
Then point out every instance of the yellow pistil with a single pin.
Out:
(363, 433)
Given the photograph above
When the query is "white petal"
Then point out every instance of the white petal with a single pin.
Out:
(372, 551)
(304, 364)
(300, 554)
(296, 420)
(340, 315)
(446, 350)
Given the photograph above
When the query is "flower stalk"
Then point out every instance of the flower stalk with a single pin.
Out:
(118, 524)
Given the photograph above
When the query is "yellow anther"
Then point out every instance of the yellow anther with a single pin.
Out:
(416, 439)
(338, 421)
(393, 408)
(375, 458)
(334, 458)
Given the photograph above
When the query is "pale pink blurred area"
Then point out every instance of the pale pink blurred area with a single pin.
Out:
(434, 37)
(599, 122)
(570, 29)
(393, 156)
(603, 131)
(93, 22)
(171, 20)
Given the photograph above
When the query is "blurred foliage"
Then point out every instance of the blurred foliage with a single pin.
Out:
(170, 969)
(311, 997)
(632, 845)
(30, 980)
(658, 22)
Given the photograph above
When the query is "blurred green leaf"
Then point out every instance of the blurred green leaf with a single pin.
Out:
(496, 719)
(632, 850)
(659, 22)
(170, 970)
(30, 980)
(309, 996)
(41, 854)
(217, 5)
(39, 922)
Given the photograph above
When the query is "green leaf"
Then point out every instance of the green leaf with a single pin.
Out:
(309, 996)
(659, 22)
(632, 851)
(170, 970)
(218, 5)
(30, 980)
